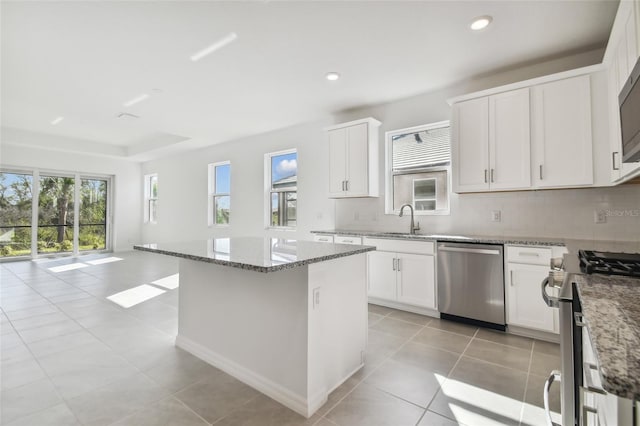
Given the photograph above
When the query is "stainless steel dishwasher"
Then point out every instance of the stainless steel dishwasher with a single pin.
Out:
(471, 283)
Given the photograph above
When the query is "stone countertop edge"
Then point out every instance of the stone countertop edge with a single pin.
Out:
(459, 239)
(256, 268)
(611, 310)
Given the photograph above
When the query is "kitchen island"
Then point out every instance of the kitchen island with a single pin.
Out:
(287, 317)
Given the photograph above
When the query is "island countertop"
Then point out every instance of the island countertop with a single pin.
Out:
(255, 253)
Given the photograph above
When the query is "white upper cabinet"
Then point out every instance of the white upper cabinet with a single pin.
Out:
(561, 133)
(470, 147)
(491, 143)
(353, 159)
(509, 140)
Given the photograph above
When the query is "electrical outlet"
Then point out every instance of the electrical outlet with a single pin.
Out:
(316, 297)
(599, 216)
(496, 216)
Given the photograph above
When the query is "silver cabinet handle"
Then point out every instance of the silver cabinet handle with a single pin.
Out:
(528, 253)
(485, 175)
(541, 172)
(491, 175)
(347, 241)
(344, 186)
(555, 375)
(613, 160)
(347, 185)
(551, 301)
(511, 278)
(468, 250)
(394, 263)
(590, 385)
(397, 264)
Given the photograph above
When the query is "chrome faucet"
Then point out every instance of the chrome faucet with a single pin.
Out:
(414, 227)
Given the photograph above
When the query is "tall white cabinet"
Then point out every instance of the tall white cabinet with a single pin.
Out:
(353, 159)
(491, 143)
(563, 146)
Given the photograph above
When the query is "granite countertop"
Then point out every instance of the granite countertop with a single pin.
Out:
(255, 253)
(484, 239)
(611, 309)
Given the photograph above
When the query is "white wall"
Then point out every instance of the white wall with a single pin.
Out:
(127, 183)
(567, 213)
(182, 187)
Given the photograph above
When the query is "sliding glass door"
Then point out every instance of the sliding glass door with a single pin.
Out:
(16, 216)
(49, 213)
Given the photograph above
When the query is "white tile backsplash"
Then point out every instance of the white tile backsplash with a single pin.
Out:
(566, 213)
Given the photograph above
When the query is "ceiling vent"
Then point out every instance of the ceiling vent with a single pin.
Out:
(126, 116)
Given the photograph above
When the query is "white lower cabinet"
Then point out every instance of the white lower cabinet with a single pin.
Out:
(526, 267)
(524, 301)
(407, 278)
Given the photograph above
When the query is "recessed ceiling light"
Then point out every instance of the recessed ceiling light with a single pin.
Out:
(229, 38)
(332, 76)
(135, 100)
(56, 120)
(481, 22)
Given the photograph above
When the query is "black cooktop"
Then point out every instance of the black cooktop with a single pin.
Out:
(595, 262)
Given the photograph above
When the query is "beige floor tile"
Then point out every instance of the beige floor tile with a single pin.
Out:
(56, 344)
(15, 353)
(411, 317)
(405, 381)
(546, 348)
(454, 327)
(373, 318)
(442, 339)
(339, 393)
(168, 412)
(381, 344)
(542, 365)
(180, 371)
(368, 406)
(506, 356)
(58, 415)
(263, 411)
(30, 312)
(216, 396)
(433, 419)
(48, 331)
(534, 394)
(505, 338)
(115, 401)
(396, 327)
(39, 321)
(380, 310)
(28, 399)
(490, 377)
(427, 358)
(18, 373)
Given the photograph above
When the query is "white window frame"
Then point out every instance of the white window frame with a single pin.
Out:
(388, 181)
(268, 191)
(148, 198)
(213, 194)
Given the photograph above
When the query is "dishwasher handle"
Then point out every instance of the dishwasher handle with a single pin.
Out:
(468, 250)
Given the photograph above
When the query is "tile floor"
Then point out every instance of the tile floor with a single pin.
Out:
(70, 356)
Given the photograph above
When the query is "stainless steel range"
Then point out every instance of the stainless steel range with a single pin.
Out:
(576, 375)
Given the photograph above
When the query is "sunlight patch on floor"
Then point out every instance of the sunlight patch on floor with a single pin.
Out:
(171, 282)
(103, 260)
(69, 267)
(135, 295)
(471, 405)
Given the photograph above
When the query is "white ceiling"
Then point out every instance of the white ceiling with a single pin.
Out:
(83, 60)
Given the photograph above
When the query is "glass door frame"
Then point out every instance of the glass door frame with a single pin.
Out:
(35, 204)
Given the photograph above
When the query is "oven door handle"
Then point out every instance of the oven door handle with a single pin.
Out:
(554, 376)
(551, 301)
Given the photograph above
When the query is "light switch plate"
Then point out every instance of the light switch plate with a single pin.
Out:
(496, 216)
(599, 216)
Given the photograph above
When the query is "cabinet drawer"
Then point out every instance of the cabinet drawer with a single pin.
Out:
(401, 246)
(323, 238)
(345, 239)
(529, 255)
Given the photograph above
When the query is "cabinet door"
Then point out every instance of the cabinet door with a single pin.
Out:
(623, 62)
(632, 42)
(357, 175)
(615, 141)
(381, 275)
(337, 161)
(416, 280)
(470, 147)
(509, 140)
(561, 125)
(525, 306)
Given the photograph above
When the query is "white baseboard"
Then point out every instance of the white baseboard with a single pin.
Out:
(404, 307)
(302, 406)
